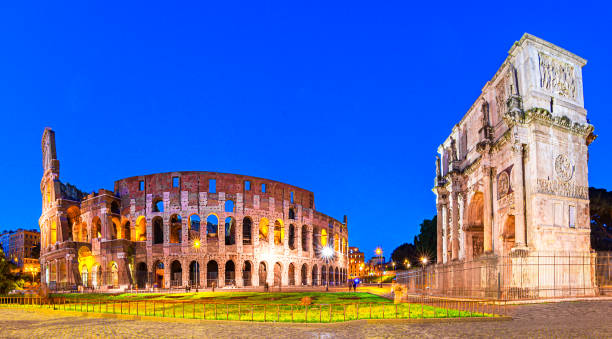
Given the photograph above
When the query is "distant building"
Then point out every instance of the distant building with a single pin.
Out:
(356, 262)
(21, 244)
(5, 239)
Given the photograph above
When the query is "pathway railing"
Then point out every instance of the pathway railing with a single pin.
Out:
(418, 307)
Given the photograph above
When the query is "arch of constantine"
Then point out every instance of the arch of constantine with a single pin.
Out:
(512, 183)
(178, 229)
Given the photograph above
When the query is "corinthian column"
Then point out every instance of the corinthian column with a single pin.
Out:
(454, 226)
(487, 213)
(519, 194)
(439, 234)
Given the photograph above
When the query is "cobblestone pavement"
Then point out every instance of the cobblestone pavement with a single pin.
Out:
(568, 320)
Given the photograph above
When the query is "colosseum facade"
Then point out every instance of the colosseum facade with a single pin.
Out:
(178, 229)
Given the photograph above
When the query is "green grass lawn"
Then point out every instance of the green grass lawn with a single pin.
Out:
(254, 306)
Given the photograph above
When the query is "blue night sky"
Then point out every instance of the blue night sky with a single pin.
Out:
(349, 100)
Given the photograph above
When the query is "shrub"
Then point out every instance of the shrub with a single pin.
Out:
(305, 301)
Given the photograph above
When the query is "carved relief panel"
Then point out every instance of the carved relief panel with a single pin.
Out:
(557, 77)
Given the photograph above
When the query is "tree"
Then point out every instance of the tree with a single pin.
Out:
(600, 208)
(424, 245)
(7, 278)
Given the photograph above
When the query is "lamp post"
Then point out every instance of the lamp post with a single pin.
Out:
(379, 254)
(327, 253)
(424, 261)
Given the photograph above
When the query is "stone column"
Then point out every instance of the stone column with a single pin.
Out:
(444, 233)
(487, 220)
(519, 194)
(238, 274)
(455, 226)
(439, 234)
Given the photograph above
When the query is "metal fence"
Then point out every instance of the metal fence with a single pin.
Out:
(416, 308)
(533, 276)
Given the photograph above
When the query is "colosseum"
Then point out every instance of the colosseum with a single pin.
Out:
(179, 229)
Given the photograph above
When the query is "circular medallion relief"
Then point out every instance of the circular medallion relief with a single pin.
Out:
(503, 183)
(564, 167)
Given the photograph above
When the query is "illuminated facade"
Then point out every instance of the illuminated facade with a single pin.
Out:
(185, 228)
(356, 262)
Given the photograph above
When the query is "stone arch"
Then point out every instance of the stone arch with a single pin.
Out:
(337, 276)
(263, 273)
(115, 207)
(158, 230)
(475, 225)
(73, 214)
(115, 228)
(230, 231)
(114, 278)
(291, 214)
(84, 275)
(176, 274)
(212, 273)
(212, 226)
(141, 229)
(508, 233)
(247, 231)
(247, 273)
(323, 275)
(158, 274)
(304, 275)
(194, 227)
(96, 275)
(194, 273)
(291, 236)
(96, 227)
(263, 229)
(304, 238)
(230, 273)
(126, 231)
(315, 275)
(323, 237)
(141, 275)
(279, 232)
(291, 275)
(278, 274)
(176, 229)
(158, 205)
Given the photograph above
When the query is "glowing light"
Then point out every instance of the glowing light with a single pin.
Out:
(378, 250)
(424, 260)
(196, 244)
(327, 252)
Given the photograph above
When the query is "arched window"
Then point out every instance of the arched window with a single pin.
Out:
(115, 208)
(229, 206)
(212, 274)
(230, 273)
(316, 239)
(141, 229)
(291, 236)
(247, 273)
(291, 214)
(212, 226)
(230, 231)
(246, 230)
(194, 227)
(127, 234)
(96, 228)
(279, 233)
(263, 230)
(176, 274)
(158, 230)
(291, 275)
(116, 231)
(176, 229)
(304, 238)
(323, 237)
(158, 205)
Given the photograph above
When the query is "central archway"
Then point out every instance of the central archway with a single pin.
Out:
(263, 273)
(212, 274)
(278, 269)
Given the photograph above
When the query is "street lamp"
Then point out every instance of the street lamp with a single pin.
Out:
(379, 254)
(424, 260)
(327, 253)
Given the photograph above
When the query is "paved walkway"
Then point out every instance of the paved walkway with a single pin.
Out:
(560, 320)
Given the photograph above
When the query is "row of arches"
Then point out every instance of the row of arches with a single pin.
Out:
(320, 237)
(247, 275)
(121, 228)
